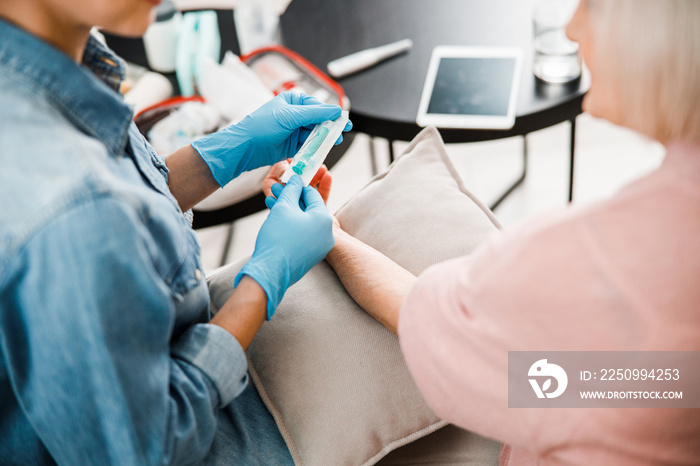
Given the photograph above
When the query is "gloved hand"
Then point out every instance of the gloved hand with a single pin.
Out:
(274, 132)
(296, 236)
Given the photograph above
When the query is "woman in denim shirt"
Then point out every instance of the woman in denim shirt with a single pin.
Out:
(107, 354)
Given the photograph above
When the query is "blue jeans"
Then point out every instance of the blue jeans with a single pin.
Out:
(247, 435)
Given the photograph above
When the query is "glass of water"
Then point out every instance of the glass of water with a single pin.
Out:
(556, 57)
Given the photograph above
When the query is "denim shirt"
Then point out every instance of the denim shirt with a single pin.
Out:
(105, 353)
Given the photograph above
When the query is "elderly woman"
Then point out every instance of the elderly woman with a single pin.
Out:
(619, 275)
(107, 354)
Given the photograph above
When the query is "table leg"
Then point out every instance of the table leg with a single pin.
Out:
(373, 157)
(227, 245)
(572, 153)
(391, 151)
(517, 182)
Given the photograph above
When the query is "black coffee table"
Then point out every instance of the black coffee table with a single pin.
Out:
(385, 98)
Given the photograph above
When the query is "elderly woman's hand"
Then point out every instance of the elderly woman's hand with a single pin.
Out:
(322, 181)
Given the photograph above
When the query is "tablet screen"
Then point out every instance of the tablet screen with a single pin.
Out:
(473, 86)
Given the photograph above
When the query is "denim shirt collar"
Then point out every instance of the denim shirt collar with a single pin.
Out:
(87, 95)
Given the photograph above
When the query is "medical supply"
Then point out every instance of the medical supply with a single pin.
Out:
(233, 87)
(198, 38)
(257, 24)
(161, 37)
(150, 89)
(364, 59)
(281, 70)
(190, 121)
(184, 5)
(315, 150)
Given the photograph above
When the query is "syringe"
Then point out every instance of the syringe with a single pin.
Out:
(315, 150)
(305, 158)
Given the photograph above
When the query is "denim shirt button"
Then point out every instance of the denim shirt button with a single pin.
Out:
(198, 275)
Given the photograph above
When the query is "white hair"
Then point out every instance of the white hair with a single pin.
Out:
(651, 51)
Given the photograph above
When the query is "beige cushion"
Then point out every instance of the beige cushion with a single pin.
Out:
(243, 187)
(448, 446)
(333, 378)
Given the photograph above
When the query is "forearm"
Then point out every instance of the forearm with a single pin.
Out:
(244, 312)
(190, 179)
(374, 281)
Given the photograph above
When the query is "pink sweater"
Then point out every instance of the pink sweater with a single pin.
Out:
(620, 275)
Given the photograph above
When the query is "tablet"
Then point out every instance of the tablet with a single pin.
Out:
(471, 87)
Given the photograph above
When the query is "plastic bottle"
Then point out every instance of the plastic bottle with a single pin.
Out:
(257, 24)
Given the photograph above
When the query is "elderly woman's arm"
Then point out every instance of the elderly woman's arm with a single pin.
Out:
(374, 281)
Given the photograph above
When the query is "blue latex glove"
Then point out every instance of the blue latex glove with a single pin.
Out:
(274, 132)
(297, 235)
(276, 189)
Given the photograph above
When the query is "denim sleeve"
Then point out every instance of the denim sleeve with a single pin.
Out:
(85, 326)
